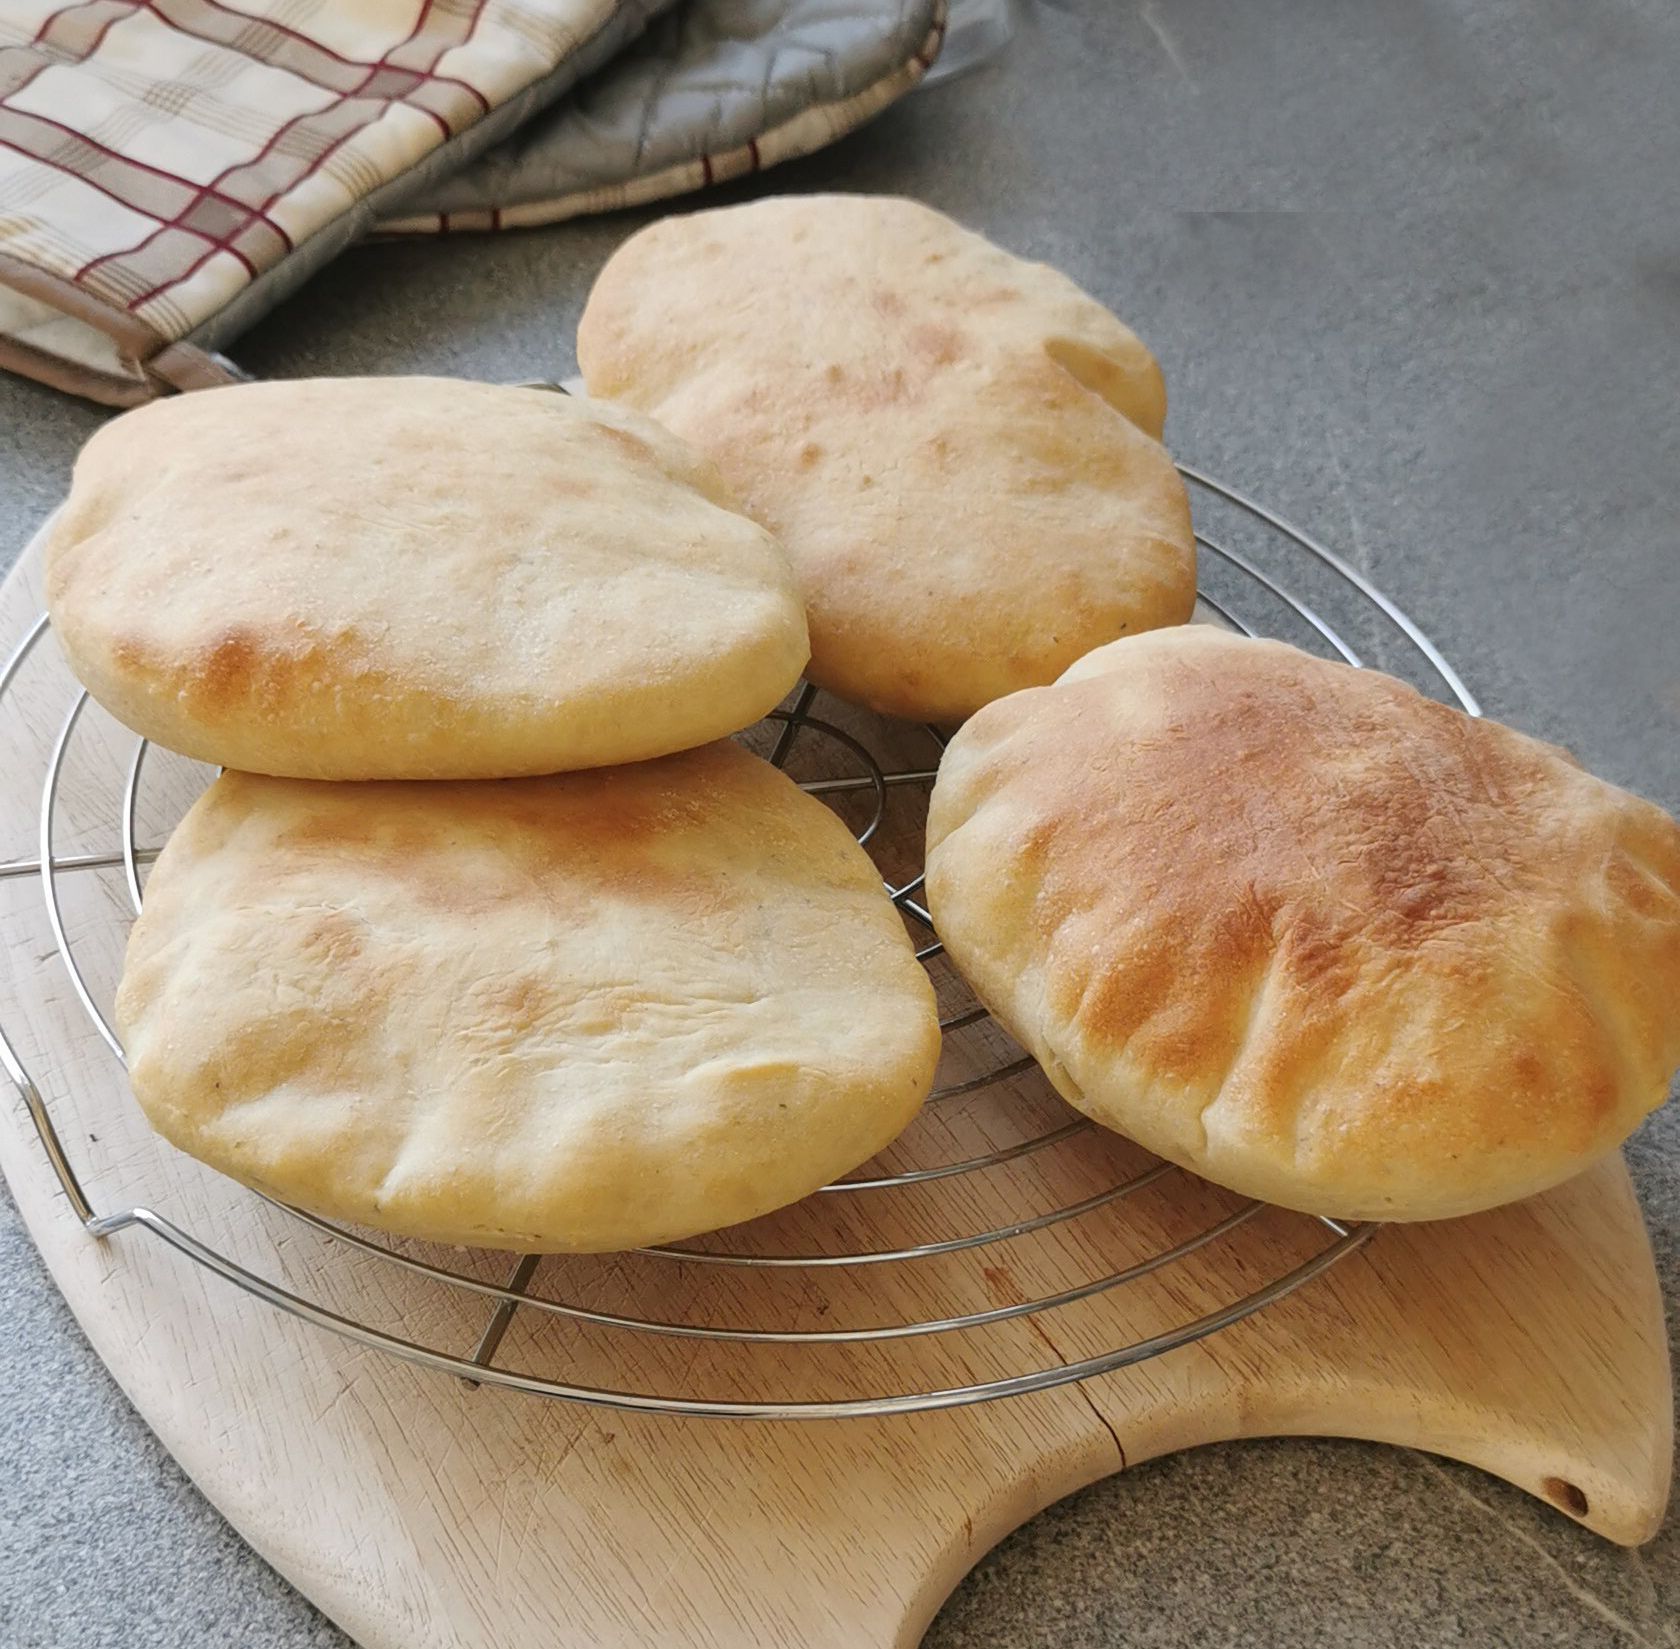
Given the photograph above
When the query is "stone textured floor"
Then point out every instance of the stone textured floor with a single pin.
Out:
(1414, 275)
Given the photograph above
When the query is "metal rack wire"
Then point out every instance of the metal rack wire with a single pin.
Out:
(502, 1301)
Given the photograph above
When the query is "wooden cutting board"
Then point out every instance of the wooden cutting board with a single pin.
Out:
(420, 1512)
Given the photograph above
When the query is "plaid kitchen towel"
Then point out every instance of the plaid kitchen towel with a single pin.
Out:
(169, 170)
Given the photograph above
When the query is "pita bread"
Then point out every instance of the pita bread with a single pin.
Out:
(957, 448)
(392, 578)
(1308, 933)
(577, 1013)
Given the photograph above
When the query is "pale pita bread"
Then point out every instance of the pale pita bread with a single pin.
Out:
(414, 578)
(577, 1013)
(957, 448)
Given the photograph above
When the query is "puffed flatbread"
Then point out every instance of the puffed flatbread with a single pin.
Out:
(1308, 933)
(958, 449)
(577, 1013)
(389, 578)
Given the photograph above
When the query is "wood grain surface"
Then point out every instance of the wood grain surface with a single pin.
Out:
(423, 1513)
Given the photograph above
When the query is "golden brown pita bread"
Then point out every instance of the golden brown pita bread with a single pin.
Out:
(957, 448)
(1308, 933)
(414, 578)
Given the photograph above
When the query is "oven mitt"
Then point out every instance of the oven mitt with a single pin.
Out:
(714, 89)
(170, 172)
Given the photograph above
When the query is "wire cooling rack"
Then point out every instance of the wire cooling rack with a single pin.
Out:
(1118, 1224)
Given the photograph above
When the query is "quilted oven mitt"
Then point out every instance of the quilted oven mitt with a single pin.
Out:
(714, 89)
(170, 170)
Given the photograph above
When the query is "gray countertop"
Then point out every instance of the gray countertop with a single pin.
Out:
(1413, 272)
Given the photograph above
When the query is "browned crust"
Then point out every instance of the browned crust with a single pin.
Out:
(1310, 932)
